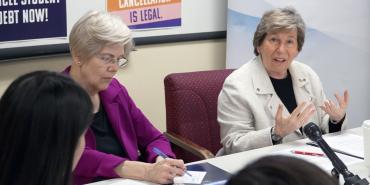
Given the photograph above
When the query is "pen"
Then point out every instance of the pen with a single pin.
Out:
(160, 153)
(307, 153)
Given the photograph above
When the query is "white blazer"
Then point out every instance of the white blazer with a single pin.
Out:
(247, 105)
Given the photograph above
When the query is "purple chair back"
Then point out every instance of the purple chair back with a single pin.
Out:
(191, 108)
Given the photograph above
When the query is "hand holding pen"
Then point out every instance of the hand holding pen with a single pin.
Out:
(163, 155)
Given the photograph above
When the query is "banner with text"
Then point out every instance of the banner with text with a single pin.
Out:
(32, 19)
(145, 14)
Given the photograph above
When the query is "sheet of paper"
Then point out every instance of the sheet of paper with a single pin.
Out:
(131, 182)
(322, 162)
(120, 181)
(349, 143)
(221, 182)
(195, 178)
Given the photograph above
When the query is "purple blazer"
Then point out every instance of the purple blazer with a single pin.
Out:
(134, 131)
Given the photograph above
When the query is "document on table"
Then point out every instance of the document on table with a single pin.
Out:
(195, 178)
(349, 143)
(131, 182)
(120, 181)
(322, 162)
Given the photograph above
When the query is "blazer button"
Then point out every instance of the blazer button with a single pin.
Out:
(258, 89)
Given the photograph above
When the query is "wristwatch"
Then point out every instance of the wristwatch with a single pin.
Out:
(276, 139)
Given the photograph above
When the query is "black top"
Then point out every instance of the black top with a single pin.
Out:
(106, 139)
(284, 89)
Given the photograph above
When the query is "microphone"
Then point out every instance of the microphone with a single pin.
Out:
(313, 132)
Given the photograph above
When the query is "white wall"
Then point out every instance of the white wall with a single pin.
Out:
(144, 75)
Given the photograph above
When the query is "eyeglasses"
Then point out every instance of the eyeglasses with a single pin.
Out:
(109, 59)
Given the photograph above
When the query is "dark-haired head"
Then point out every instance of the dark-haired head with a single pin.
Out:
(282, 170)
(43, 116)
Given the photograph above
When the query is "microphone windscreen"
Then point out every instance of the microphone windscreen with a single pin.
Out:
(312, 131)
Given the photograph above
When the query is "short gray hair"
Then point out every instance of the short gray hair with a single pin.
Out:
(279, 19)
(95, 30)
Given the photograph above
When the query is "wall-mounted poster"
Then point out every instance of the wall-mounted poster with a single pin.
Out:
(45, 30)
(32, 19)
(146, 14)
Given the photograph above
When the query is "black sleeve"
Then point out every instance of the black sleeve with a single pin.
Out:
(335, 127)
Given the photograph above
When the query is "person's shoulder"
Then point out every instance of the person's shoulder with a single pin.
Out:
(242, 73)
(303, 67)
(114, 88)
(306, 70)
(115, 85)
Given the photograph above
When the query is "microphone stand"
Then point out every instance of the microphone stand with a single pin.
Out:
(339, 166)
(313, 132)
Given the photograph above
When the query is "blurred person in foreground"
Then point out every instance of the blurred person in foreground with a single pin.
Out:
(281, 170)
(41, 136)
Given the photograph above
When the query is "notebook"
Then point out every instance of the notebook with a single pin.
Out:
(214, 175)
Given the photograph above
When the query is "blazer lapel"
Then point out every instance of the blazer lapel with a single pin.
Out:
(116, 118)
(263, 87)
(301, 86)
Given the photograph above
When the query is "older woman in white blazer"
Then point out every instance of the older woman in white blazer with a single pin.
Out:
(269, 99)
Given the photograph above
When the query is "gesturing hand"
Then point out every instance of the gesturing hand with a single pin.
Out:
(299, 116)
(336, 112)
(163, 171)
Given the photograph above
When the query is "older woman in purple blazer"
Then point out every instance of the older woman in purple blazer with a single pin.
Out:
(120, 141)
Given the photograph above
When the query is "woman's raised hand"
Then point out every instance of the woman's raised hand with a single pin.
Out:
(336, 111)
